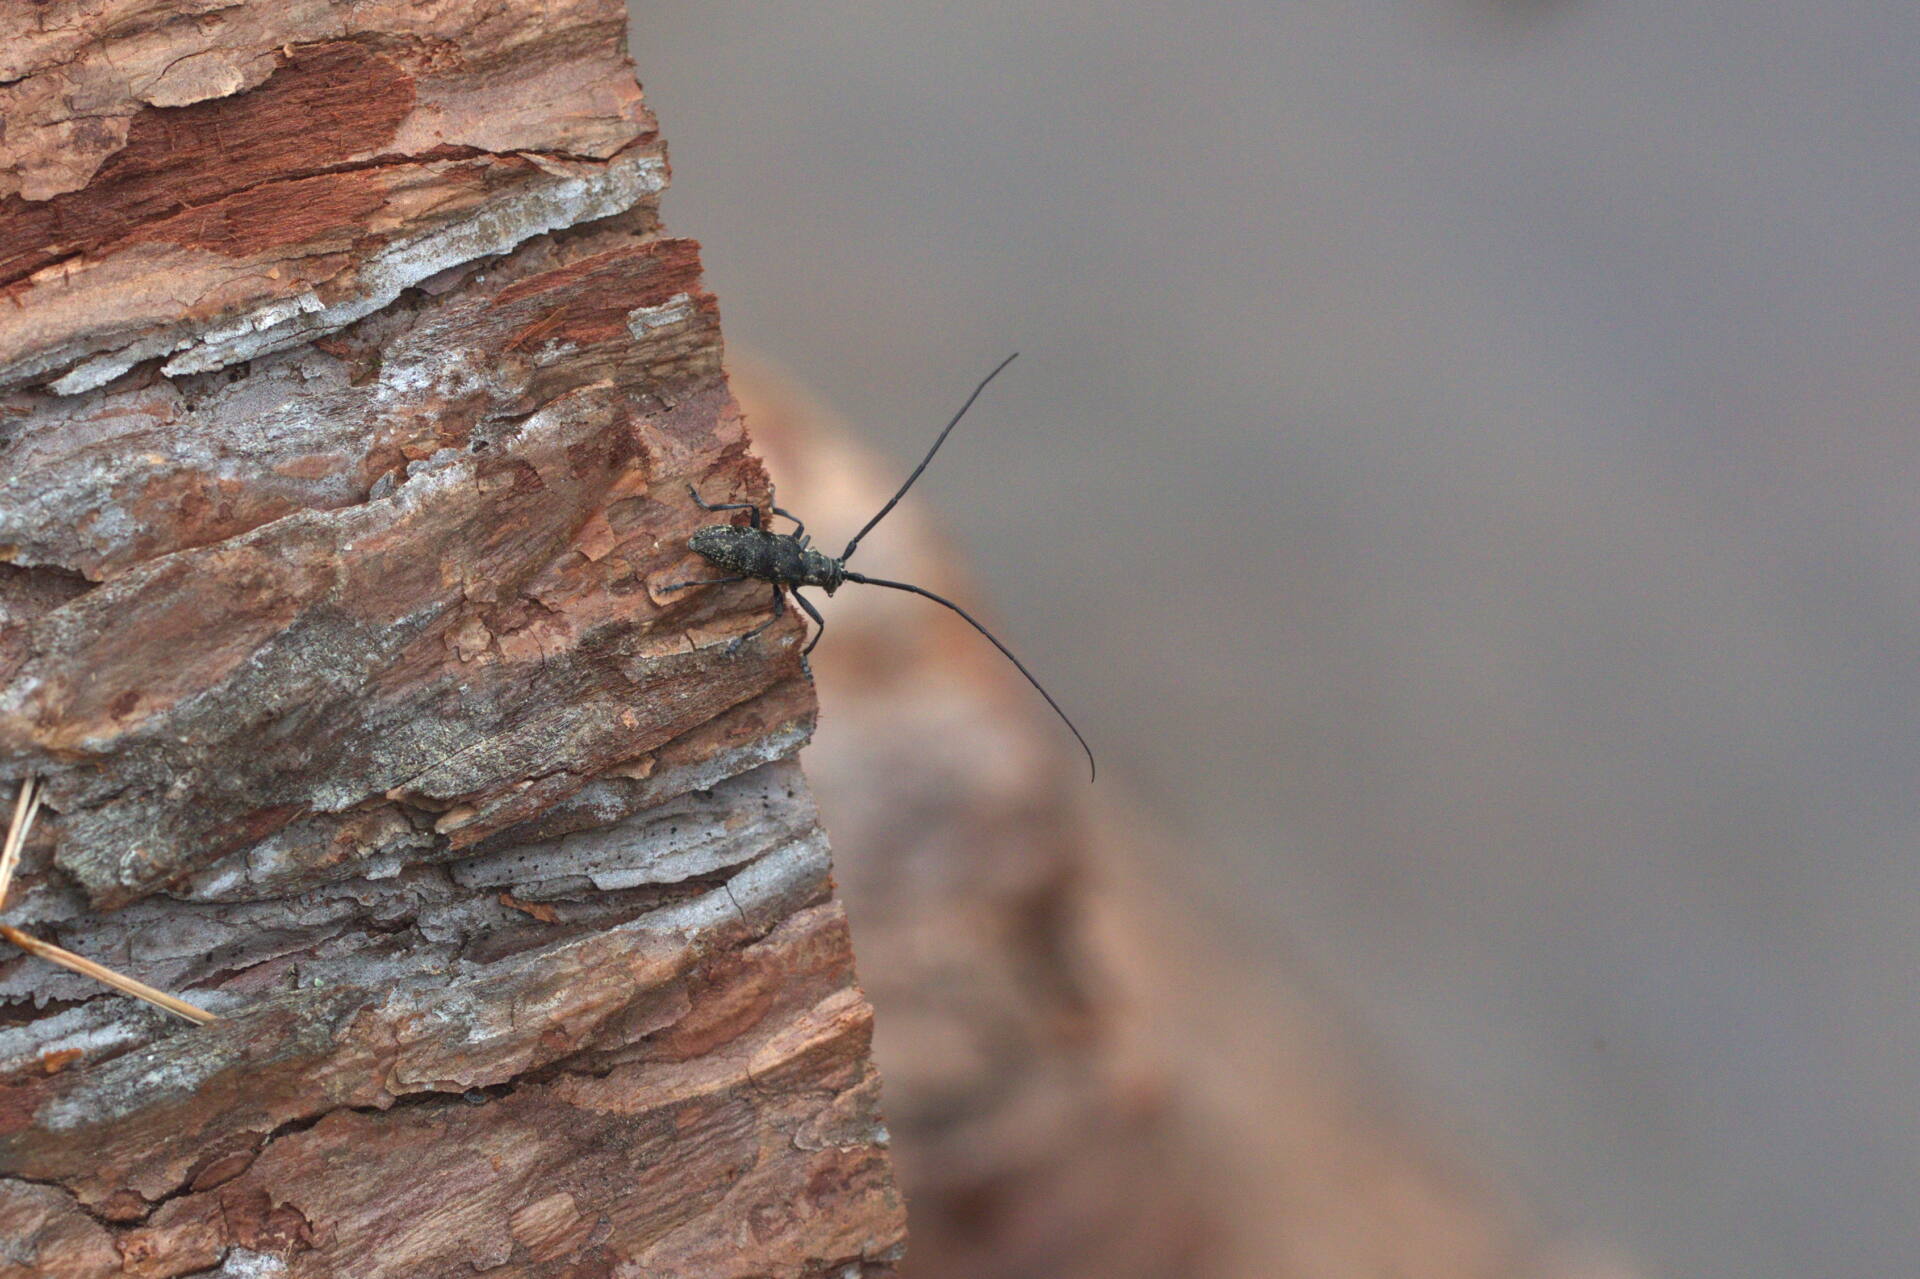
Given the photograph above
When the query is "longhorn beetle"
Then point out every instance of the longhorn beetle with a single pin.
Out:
(788, 561)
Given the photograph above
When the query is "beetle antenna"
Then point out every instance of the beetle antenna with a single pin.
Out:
(848, 553)
(1092, 768)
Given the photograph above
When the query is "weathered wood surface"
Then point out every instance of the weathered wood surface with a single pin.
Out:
(349, 396)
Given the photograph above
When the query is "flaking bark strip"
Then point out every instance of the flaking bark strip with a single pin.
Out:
(159, 208)
(587, 193)
(349, 675)
(369, 1045)
(791, 1112)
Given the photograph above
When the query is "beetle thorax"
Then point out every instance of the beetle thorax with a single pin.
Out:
(824, 571)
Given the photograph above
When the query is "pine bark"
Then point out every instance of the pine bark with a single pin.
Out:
(350, 392)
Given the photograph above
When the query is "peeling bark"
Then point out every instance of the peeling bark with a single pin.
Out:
(349, 396)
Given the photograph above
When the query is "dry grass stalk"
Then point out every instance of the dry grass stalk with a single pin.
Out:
(81, 964)
(24, 809)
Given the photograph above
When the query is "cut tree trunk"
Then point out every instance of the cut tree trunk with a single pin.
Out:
(349, 398)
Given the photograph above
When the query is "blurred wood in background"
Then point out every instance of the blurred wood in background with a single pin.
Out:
(1083, 1080)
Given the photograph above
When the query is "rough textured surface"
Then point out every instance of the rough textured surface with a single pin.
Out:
(349, 397)
(208, 181)
(1083, 1080)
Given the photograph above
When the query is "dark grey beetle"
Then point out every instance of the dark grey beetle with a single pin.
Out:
(789, 562)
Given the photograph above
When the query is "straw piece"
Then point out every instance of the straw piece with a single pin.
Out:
(80, 964)
(23, 810)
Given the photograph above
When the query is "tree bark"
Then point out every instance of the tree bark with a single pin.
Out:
(349, 397)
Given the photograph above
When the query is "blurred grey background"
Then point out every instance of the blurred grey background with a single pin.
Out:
(1462, 469)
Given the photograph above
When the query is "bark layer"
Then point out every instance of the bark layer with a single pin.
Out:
(349, 397)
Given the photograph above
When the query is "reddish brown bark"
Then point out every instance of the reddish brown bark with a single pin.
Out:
(349, 397)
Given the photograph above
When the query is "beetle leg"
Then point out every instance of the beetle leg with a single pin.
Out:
(779, 611)
(753, 512)
(711, 581)
(806, 606)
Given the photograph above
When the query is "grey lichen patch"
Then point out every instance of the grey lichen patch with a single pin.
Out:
(212, 73)
(401, 1021)
(177, 1068)
(244, 1263)
(95, 1030)
(643, 321)
(696, 834)
(291, 643)
(590, 193)
(850, 1120)
(95, 483)
(309, 850)
(616, 794)
(772, 887)
(429, 923)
